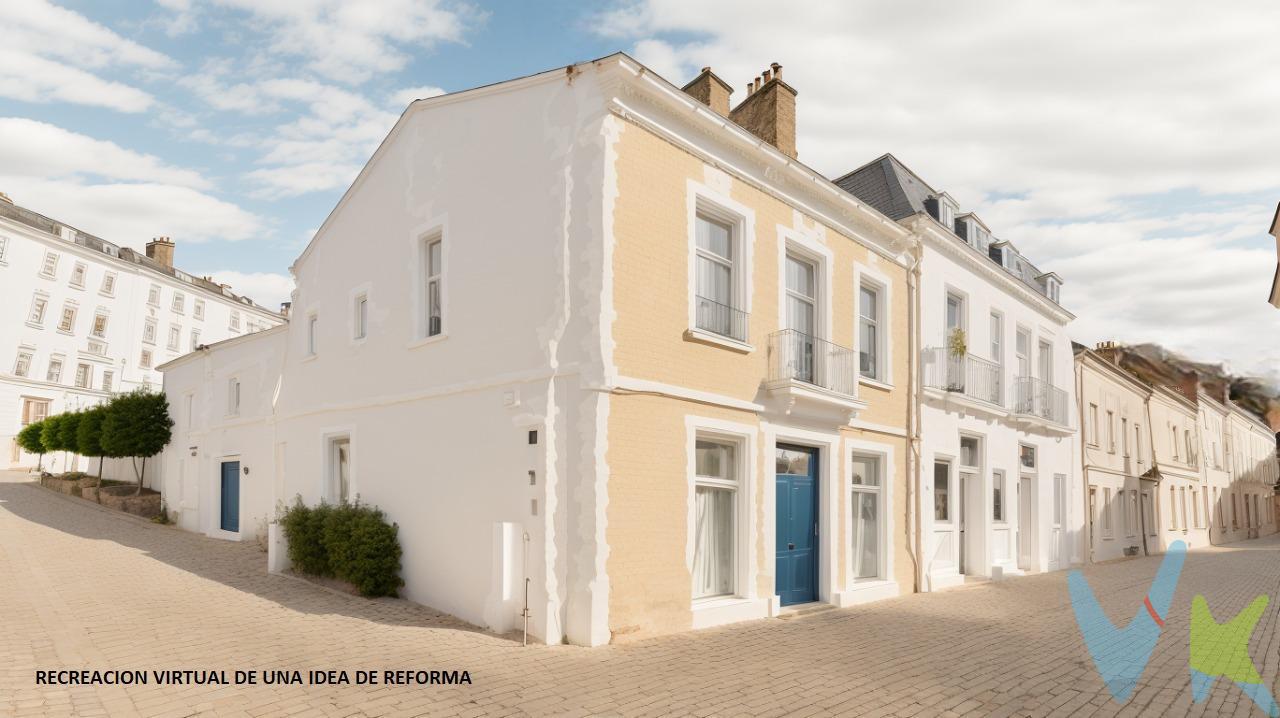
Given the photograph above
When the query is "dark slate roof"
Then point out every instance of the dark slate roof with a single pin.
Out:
(890, 187)
(897, 192)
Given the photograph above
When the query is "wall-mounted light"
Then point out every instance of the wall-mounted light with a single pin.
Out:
(246, 471)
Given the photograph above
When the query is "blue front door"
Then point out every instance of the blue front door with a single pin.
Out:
(797, 521)
(230, 514)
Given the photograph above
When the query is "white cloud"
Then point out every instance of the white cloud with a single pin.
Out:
(41, 150)
(1123, 145)
(266, 288)
(51, 53)
(129, 214)
(351, 42)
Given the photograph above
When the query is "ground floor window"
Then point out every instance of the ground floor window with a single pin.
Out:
(941, 493)
(340, 468)
(1131, 515)
(1148, 513)
(1106, 512)
(997, 496)
(1173, 508)
(867, 510)
(715, 514)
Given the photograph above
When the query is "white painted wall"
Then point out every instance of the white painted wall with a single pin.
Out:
(126, 309)
(514, 180)
(944, 418)
(1182, 484)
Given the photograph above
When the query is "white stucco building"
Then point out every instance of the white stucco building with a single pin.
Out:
(996, 423)
(1183, 503)
(86, 318)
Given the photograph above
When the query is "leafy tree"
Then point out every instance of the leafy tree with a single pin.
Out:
(89, 434)
(51, 433)
(67, 433)
(136, 425)
(30, 441)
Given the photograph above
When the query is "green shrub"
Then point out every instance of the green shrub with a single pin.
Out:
(304, 528)
(364, 549)
(29, 438)
(352, 542)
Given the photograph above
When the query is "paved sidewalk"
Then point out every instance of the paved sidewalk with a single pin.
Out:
(87, 588)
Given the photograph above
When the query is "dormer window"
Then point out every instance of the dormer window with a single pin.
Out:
(1052, 285)
(942, 208)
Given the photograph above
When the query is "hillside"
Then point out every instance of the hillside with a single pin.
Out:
(1157, 365)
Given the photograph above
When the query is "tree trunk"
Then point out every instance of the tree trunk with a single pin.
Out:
(100, 460)
(40, 463)
(141, 476)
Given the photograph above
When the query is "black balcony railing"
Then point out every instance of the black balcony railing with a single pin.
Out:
(796, 356)
(965, 374)
(722, 319)
(1039, 398)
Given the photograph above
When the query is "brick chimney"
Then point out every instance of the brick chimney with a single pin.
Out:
(710, 90)
(160, 249)
(1109, 350)
(769, 111)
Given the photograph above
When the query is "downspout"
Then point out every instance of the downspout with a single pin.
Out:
(1155, 471)
(915, 540)
(1084, 466)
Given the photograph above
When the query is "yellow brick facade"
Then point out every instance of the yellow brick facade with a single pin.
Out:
(649, 482)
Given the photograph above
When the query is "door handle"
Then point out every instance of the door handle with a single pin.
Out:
(791, 547)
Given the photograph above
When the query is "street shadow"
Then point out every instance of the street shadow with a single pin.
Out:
(239, 565)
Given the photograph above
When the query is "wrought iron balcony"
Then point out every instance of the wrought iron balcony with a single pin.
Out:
(964, 374)
(712, 316)
(1038, 398)
(795, 356)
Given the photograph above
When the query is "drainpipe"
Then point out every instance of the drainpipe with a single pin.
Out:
(915, 542)
(1084, 466)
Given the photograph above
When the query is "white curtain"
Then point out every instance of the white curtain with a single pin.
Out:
(713, 543)
(866, 534)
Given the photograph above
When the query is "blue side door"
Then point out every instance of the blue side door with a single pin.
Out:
(230, 514)
(797, 524)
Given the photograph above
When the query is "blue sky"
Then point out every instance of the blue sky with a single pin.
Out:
(1130, 147)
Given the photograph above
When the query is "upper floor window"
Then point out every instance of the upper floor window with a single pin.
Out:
(198, 310)
(4, 248)
(108, 283)
(233, 396)
(997, 338)
(50, 267)
(361, 318)
(54, 375)
(153, 295)
(870, 336)
(313, 324)
(955, 313)
(1174, 442)
(802, 295)
(99, 326)
(107, 378)
(144, 359)
(433, 287)
(1091, 425)
(195, 339)
(22, 366)
(1111, 432)
(149, 331)
(179, 302)
(77, 274)
(235, 321)
(38, 306)
(1022, 351)
(84, 376)
(1046, 362)
(717, 295)
(68, 321)
(1027, 456)
(175, 337)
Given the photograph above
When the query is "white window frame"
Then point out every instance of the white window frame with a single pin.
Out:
(81, 269)
(62, 318)
(311, 336)
(22, 364)
(999, 481)
(806, 246)
(34, 318)
(49, 266)
(178, 305)
(4, 250)
(108, 379)
(1019, 356)
(880, 283)
(743, 438)
(104, 317)
(358, 300)
(153, 295)
(197, 310)
(108, 287)
(234, 396)
(146, 359)
(84, 376)
(1035, 458)
(195, 339)
(1091, 425)
(149, 331)
(175, 337)
(741, 220)
(962, 310)
(952, 465)
(1108, 522)
(53, 374)
(884, 456)
(233, 323)
(995, 337)
(329, 437)
(1111, 431)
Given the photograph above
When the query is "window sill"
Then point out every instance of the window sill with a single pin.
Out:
(35, 325)
(703, 336)
(876, 383)
(424, 341)
(79, 287)
(66, 333)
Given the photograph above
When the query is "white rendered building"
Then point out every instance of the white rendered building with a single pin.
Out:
(86, 318)
(996, 420)
(1183, 503)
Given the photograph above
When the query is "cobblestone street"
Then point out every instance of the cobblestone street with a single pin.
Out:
(87, 588)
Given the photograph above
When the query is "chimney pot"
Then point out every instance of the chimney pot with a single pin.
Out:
(777, 70)
(756, 85)
(769, 111)
(766, 75)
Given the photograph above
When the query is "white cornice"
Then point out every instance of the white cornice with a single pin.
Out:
(941, 239)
